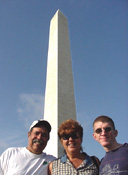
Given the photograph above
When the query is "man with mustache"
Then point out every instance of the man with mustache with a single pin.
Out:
(30, 160)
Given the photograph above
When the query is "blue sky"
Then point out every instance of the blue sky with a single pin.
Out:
(99, 49)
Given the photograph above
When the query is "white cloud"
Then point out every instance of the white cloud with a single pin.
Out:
(3, 144)
(31, 108)
(12, 139)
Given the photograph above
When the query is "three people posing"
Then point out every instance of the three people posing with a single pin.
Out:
(31, 160)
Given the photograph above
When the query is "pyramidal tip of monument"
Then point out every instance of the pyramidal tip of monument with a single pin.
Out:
(59, 12)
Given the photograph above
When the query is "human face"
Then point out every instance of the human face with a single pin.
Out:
(105, 138)
(71, 143)
(37, 139)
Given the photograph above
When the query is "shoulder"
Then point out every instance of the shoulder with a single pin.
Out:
(51, 165)
(11, 150)
(55, 162)
(93, 158)
(123, 147)
(96, 161)
(55, 165)
(50, 168)
(125, 144)
(49, 157)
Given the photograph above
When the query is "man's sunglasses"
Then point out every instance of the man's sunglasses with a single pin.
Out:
(99, 130)
(67, 136)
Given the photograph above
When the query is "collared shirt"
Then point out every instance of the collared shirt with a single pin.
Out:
(63, 166)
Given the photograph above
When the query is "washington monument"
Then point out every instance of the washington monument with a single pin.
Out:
(59, 93)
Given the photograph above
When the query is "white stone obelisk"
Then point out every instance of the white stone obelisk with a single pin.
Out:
(59, 93)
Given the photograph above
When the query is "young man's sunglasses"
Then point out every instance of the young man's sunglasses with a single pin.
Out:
(99, 130)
